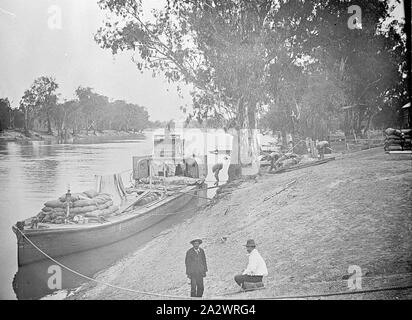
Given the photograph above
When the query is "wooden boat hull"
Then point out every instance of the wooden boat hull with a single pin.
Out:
(62, 242)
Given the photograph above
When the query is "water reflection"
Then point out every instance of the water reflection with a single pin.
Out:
(32, 173)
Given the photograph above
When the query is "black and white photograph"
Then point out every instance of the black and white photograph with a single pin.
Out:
(204, 155)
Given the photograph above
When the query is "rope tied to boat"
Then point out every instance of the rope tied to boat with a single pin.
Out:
(155, 294)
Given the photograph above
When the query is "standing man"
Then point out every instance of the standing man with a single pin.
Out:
(196, 267)
(256, 268)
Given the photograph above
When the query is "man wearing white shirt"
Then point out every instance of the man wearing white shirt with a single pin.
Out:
(256, 268)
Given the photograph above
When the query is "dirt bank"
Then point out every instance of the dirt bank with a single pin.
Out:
(352, 211)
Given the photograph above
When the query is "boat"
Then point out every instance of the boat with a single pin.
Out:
(48, 240)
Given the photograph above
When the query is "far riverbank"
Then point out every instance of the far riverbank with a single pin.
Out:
(18, 135)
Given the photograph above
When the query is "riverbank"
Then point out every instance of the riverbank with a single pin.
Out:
(352, 211)
(82, 137)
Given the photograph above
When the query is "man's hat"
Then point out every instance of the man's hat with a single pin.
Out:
(196, 239)
(250, 243)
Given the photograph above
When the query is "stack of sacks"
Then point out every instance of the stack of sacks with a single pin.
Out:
(87, 204)
(397, 140)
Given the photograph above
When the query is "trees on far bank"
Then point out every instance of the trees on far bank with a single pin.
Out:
(39, 102)
(41, 109)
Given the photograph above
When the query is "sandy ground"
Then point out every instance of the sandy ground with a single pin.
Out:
(355, 210)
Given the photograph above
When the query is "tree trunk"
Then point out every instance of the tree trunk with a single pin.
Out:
(12, 115)
(26, 122)
(49, 129)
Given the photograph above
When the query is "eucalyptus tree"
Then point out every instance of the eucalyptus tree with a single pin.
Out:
(39, 101)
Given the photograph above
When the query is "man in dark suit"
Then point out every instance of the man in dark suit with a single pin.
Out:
(196, 268)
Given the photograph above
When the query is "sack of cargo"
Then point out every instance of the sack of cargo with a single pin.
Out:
(105, 212)
(47, 209)
(100, 200)
(393, 142)
(391, 131)
(406, 131)
(394, 147)
(47, 218)
(104, 195)
(59, 220)
(75, 210)
(91, 193)
(88, 209)
(83, 203)
(102, 206)
(105, 205)
(54, 204)
(57, 214)
(392, 136)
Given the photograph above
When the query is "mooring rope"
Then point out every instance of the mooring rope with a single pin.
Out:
(216, 296)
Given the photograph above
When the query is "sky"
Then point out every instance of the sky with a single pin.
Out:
(29, 48)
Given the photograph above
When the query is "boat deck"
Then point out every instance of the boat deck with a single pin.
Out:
(46, 227)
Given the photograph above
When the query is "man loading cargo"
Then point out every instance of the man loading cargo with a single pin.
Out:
(256, 269)
(216, 169)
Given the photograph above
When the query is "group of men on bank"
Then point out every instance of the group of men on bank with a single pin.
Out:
(196, 267)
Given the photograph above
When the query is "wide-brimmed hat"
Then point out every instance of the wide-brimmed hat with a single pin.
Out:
(250, 243)
(196, 239)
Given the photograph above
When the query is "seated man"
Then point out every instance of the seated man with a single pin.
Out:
(256, 268)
